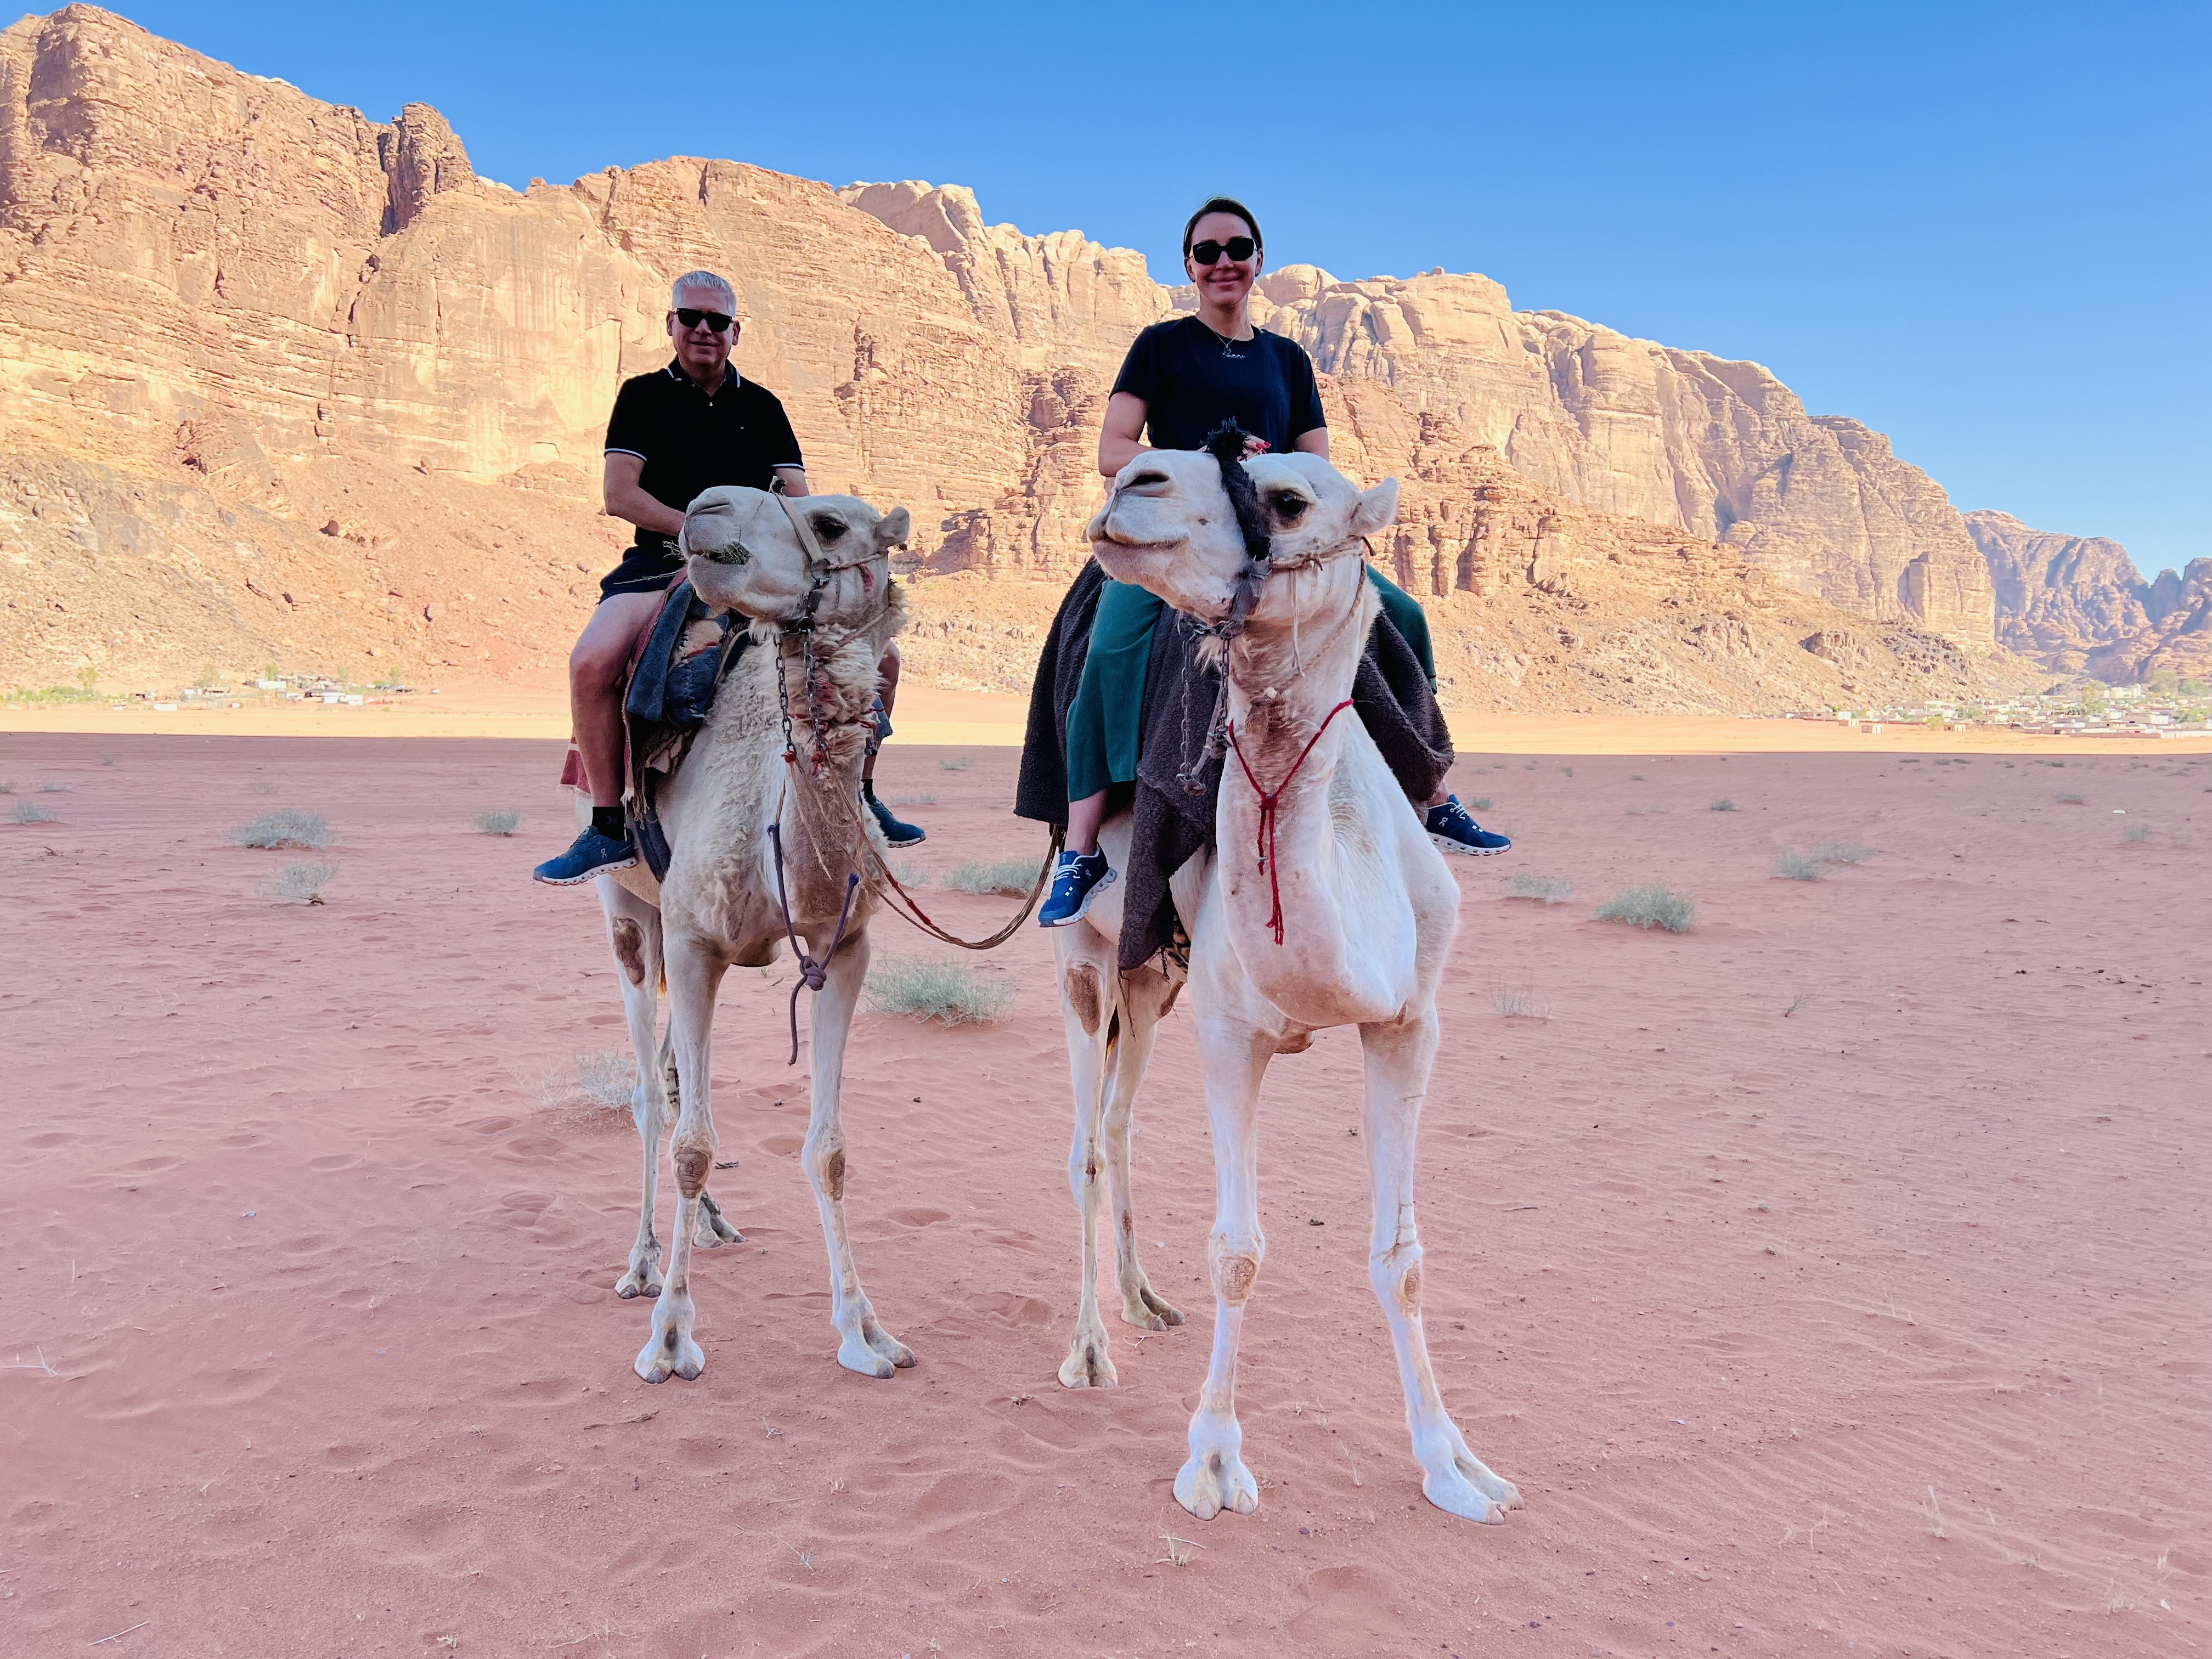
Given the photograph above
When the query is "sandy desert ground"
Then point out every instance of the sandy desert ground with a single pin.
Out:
(1831, 1277)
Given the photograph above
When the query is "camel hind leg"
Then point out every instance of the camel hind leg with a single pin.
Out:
(1146, 996)
(1398, 1058)
(1090, 1008)
(694, 975)
(634, 934)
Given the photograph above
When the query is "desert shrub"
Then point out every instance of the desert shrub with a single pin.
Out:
(911, 874)
(606, 1078)
(920, 798)
(499, 821)
(1567, 771)
(946, 991)
(55, 786)
(957, 764)
(303, 884)
(1800, 866)
(1016, 876)
(1652, 906)
(1517, 1002)
(107, 760)
(2068, 797)
(1844, 852)
(1546, 889)
(7, 785)
(286, 827)
(1481, 803)
(2136, 832)
(29, 812)
(1724, 805)
(1635, 777)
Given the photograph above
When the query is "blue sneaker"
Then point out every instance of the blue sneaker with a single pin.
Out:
(590, 854)
(1077, 879)
(1450, 828)
(896, 833)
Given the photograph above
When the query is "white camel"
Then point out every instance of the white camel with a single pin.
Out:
(1322, 903)
(762, 555)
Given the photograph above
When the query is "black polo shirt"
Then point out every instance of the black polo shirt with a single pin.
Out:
(691, 441)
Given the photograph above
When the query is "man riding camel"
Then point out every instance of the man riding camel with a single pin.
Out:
(675, 433)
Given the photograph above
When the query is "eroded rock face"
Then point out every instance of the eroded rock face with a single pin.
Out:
(219, 296)
(2061, 598)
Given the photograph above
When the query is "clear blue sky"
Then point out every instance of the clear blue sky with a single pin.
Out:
(1979, 229)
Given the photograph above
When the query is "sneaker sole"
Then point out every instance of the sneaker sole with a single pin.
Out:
(1089, 899)
(588, 875)
(1467, 852)
(915, 840)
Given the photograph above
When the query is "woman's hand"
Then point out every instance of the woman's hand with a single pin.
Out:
(1254, 445)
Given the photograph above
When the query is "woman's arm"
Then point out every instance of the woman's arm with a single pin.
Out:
(1315, 442)
(1119, 443)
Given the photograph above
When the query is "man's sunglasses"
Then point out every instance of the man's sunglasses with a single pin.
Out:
(719, 321)
(1236, 247)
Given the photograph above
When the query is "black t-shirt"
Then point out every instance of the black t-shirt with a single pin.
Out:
(1192, 379)
(691, 441)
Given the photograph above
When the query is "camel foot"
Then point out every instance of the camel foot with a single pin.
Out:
(1088, 1365)
(885, 1344)
(670, 1352)
(1466, 1488)
(713, 1231)
(855, 1354)
(644, 1278)
(1148, 1311)
(1216, 1480)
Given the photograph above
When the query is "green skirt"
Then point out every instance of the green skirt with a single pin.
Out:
(1105, 721)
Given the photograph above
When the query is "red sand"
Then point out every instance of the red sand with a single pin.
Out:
(1877, 1326)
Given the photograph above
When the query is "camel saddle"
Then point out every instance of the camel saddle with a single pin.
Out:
(1175, 820)
(669, 690)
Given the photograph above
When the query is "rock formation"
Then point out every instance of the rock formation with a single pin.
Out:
(2077, 603)
(253, 345)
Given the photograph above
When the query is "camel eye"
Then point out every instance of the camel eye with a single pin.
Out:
(1289, 508)
(829, 528)
(1147, 481)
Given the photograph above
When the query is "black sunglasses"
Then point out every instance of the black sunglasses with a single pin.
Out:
(1236, 247)
(719, 321)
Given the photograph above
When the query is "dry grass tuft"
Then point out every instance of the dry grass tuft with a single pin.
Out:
(286, 827)
(2068, 797)
(945, 991)
(1724, 805)
(29, 812)
(604, 1080)
(303, 884)
(2136, 832)
(1016, 876)
(1518, 1002)
(1655, 905)
(1544, 890)
(499, 821)
(920, 798)
(1480, 804)
(1844, 852)
(1800, 866)
(957, 764)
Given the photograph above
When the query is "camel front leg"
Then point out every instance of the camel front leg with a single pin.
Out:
(1088, 1002)
(1234, 1056)
(695, 975)
(1399, 1058)
(1146, 996)
(863, 1345)
(634, 934)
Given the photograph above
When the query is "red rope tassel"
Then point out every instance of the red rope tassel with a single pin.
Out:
(1269, 799)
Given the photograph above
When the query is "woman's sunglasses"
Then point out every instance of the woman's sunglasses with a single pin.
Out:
(719, 321)
(1236, 247)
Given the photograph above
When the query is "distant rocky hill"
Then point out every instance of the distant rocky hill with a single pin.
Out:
(2078, 602)
(281, 383)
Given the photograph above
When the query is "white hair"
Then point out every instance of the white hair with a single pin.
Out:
(708, 280)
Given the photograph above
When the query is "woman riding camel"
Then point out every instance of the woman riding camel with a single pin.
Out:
(1181, 380)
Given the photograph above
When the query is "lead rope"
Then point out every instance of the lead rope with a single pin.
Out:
(812, 974)
(1264, 842)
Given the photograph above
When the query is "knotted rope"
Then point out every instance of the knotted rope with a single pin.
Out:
(1269, 800)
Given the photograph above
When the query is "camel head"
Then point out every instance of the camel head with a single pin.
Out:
(1169, 527)
(745, 556)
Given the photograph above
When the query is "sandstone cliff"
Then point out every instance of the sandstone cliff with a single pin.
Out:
(253, 345)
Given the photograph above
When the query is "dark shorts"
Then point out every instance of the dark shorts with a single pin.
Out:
(643, 570)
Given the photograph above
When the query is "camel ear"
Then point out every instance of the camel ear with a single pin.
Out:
(1378, 507)
(893, 528)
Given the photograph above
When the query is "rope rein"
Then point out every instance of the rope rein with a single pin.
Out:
(1264, 842)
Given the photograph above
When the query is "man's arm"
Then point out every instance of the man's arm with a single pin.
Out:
(626, 501)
